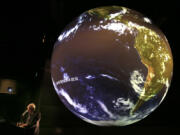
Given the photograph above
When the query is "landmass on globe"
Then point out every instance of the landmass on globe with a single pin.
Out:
(111, 66)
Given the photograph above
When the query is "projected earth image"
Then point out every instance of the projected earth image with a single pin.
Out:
(111, 66)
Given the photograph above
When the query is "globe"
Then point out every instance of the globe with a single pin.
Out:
(111, 66)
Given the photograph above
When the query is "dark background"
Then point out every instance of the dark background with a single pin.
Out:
(28, 31)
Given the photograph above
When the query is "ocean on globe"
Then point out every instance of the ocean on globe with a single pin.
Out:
(111, 66)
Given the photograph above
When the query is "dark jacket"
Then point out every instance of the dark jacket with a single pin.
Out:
(32, 121)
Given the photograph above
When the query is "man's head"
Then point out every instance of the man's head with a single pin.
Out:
(31, 107)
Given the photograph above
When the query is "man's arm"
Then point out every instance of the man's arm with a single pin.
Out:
(22, 120)
(38, 118)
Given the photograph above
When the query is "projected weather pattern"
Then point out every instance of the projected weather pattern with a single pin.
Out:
(111, 66)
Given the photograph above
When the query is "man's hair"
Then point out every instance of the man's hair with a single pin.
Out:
(31, 106)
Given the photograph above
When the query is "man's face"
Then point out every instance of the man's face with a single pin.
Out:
(30, 109)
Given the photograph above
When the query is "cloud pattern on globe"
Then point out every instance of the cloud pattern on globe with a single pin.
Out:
(111, 66)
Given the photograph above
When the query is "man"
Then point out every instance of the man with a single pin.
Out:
(30, 120)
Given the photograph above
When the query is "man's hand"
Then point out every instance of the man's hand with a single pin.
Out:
(22, 125)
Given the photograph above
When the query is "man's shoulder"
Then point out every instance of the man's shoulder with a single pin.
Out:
(38, 114)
